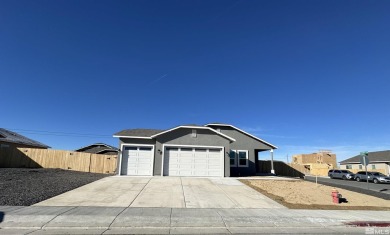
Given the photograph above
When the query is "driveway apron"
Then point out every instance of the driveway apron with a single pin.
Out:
(164, 192)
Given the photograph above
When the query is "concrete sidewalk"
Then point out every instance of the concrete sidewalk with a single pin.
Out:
(131, 220)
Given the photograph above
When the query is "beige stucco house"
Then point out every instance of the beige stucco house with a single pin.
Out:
(379, 162)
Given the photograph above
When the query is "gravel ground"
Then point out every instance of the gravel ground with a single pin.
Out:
(24, 187)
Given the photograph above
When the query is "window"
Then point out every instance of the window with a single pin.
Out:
(130, 148)
(373, 167)
(193, 135)
(242, 158)
(360, 167)
(232, 156)
(186, 149)
(348, 166)
(239, 158)
(145, 149)
(200, 150)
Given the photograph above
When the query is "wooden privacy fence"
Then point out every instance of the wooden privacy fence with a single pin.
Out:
(281, 168)
(49, 158)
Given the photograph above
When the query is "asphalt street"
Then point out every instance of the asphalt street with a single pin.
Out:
(379, 190)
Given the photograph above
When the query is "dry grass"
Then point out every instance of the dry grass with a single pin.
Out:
(301, 194)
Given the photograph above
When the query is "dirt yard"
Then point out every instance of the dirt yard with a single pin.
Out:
(24, 187)
(301, 194)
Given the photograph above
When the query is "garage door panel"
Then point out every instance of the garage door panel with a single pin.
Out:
(144, 160)
(189, 161)
(137, 160)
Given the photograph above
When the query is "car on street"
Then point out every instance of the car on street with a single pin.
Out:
(341, 174)
(373, 176)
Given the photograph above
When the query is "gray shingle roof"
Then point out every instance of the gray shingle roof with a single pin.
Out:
(380, 156)
(97, 148)
(138, 132)
(12, 137)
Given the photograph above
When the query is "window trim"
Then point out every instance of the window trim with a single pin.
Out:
(237, 158)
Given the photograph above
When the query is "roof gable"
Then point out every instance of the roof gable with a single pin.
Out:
(243, 132)
(195, 127)
(96, 148)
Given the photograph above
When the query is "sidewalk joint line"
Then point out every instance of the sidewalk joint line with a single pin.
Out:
(109, 226)
(224, 222)
(44, 225)
(33, 231)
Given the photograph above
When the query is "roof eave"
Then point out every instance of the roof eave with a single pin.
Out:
(132, 137)
(32, 145)
(195, 127)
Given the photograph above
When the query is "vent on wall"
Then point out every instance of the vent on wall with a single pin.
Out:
(193, 135)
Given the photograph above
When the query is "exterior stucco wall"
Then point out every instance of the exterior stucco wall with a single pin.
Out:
(183, 136)
(243, 142)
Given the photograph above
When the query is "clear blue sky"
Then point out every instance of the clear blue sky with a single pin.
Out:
(303, 75)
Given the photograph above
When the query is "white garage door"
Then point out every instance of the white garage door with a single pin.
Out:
(189, 161)
(137, 160)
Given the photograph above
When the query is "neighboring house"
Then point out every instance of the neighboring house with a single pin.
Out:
(99, 148)
(315, 163)
(190, 150)
(378, 161)
(10, 139)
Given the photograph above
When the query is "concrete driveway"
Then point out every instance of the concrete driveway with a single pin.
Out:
(168, 192)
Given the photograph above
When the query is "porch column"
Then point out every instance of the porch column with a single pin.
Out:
(272, 161)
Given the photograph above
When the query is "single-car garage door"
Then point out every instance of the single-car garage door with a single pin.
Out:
(137, 160)
(190, 161)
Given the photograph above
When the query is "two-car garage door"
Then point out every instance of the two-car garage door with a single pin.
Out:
(190, 161)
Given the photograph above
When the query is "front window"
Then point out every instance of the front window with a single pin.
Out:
(239, 158)
(349, 166)
(242, 158)
(360, 167)
(232, 156)
(373, 167)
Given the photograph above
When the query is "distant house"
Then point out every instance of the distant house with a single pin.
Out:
(378, 161)
(99, 148)
(10, 139)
